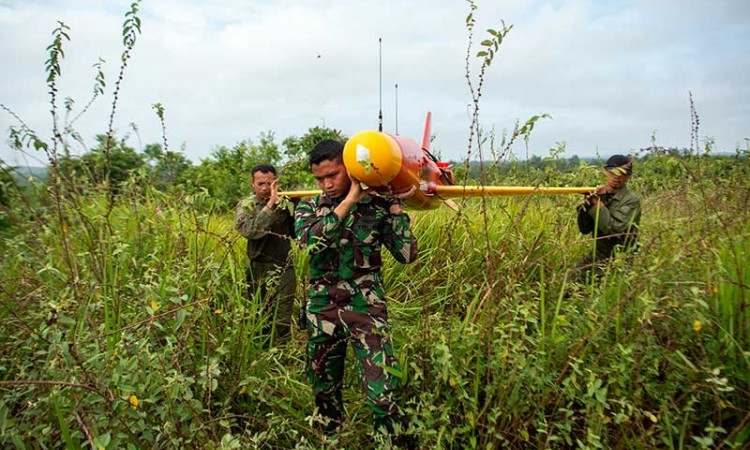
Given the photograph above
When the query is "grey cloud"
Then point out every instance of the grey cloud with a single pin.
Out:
(610, 73)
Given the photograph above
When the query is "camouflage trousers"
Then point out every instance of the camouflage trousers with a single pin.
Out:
(276, 287)
(361, 319)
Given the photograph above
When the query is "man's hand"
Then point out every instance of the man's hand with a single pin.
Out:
(602, 189)
(274, 197)
(353, 197)
(396, 200)
(589, 201)
(407, 194)
(356, 193)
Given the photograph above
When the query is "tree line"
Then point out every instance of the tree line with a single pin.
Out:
(224, 174)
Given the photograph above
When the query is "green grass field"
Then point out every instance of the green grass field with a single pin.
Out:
(125, 326)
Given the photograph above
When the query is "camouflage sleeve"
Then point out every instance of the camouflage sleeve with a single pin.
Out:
(398, 238)
(314, 230)
(620, 220)
(253, 223)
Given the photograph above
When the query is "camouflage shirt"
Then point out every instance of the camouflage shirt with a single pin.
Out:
(345, 256)
(269, 233)
(619, 217)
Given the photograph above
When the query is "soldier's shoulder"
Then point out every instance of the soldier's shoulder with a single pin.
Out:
(309, 203)
(376, 201)
(314, 200)
(632, 196)
(248, 203)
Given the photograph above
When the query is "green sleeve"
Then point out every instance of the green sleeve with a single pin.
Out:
(398, 238)
(314, 230)
(255, 223)
(619, 219)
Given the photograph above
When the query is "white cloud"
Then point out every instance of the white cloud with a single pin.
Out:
(610, 73)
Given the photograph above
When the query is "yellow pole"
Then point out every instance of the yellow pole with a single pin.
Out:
(477, 191)
(299, 194)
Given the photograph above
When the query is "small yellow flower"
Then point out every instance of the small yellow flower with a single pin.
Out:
(154, 305)
(716, 289)
(696, 325)
(452, 382)
(133, 400)
(218, 311)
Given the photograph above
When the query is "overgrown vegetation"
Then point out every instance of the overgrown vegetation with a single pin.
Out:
(126, 325)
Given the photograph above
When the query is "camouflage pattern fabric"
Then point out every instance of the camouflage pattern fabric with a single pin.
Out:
(269, 235)
(347, 299)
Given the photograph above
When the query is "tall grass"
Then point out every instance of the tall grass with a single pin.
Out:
(137, 331)
(126, 322)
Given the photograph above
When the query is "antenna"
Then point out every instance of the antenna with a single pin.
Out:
(397, 108)
(380, 81)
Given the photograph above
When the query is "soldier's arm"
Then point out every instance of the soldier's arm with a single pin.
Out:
(399, 239)
(620, 220)
(255, 224)
(314, 230)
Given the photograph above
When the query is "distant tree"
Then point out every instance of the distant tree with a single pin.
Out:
(115, 162)
(166, 168)
(225, 175)
(123, 160)
(536, 162)
(296, 171)
(6, 181)
(7, 187)
(572, 163)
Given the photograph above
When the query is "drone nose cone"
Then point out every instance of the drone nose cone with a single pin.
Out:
(373, 157)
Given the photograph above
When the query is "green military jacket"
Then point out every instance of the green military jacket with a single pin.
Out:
(269, 233)
(345, 254)
(617, 223)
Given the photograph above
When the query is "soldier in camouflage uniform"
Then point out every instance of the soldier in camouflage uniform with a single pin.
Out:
(345, 228)
(612, 214)
(269, 230)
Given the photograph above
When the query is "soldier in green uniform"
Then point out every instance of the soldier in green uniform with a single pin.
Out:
(611, 214)
(269, 230)
(345, 228)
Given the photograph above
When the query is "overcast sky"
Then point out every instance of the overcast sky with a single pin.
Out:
(612, 74)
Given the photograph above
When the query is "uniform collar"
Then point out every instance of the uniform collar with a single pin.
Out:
(325, 200)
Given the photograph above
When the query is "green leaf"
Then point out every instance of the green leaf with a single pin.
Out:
(179, 319)
(69, 443)
(102, 441)
(393, 371)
